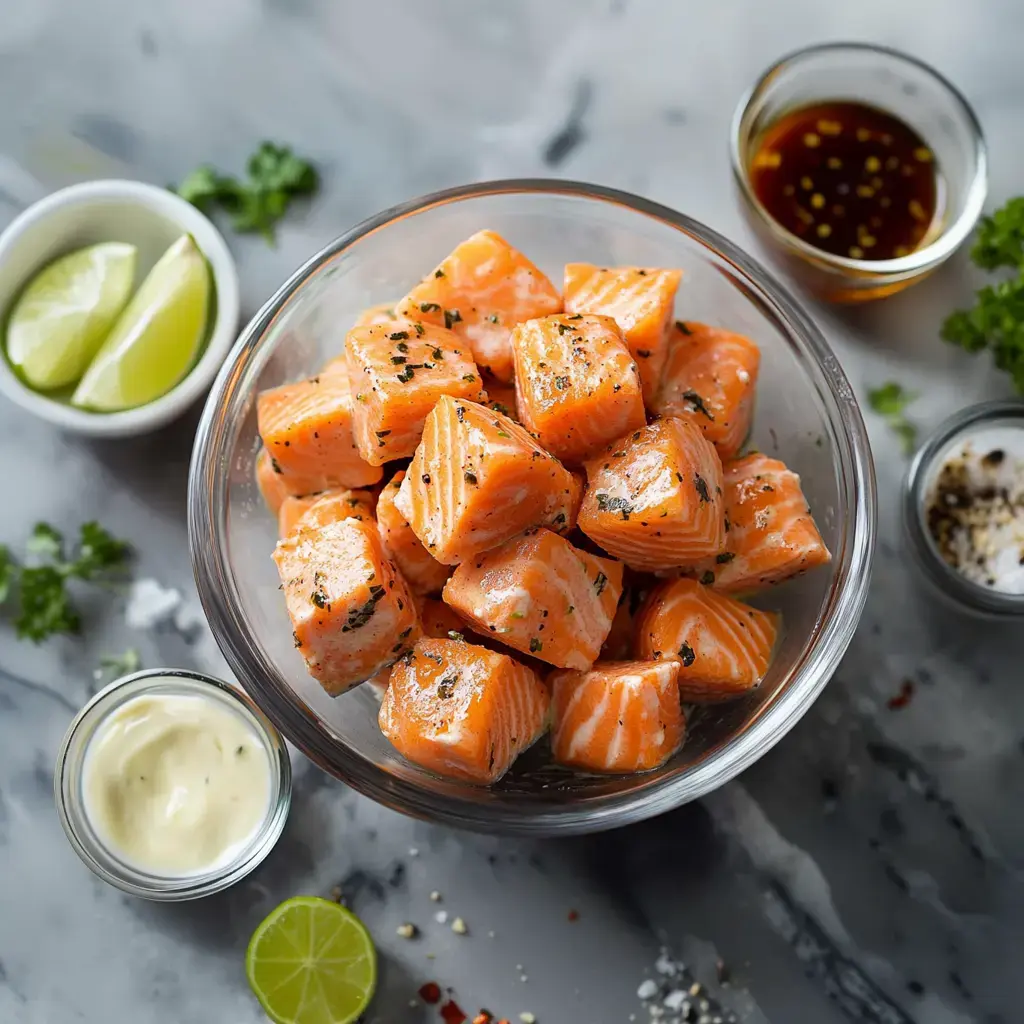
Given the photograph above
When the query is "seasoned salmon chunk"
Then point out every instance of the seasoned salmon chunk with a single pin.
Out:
(478, 479)
(639, 299)
(771, 535)
(422, 571)
(654, 498)
(307, 430)
(724, 647)
(319, 509)
(540, 595)
(617, 717)
(352, 612)
(275, 485)
(710, 376)
(577, 386)
(397, 371)
(481, 291)
(463, 711)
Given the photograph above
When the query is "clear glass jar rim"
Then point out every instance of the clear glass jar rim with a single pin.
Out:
(928, 256)
(208, 479)
(129, 878)
(951, 583)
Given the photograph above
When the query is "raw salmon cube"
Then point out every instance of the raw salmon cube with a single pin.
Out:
(710, 376)
(437, 619)
(724, 647)
(654, 497)
(770, 533)
(540, 595)
(380, 314)
(501, 397)
(478, 479)
(352, 612)
(577, 386)
(275, 485)
(319, 509)
(617, 717)
(463, 711)
(423, 572)
(640, 299)
(398, 371)
(481, 291)
(307, 430)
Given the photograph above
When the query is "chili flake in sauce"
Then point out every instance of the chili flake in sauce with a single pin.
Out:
(847, 178)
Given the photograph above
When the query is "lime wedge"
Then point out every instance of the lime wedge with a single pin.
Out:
(156, 339)
(311, 961)
(61, 318)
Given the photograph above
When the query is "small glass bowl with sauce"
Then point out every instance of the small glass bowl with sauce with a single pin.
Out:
(863, 166)
(131, 785)
(963, 509)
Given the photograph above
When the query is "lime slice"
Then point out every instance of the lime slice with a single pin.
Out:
(61, 318)
(311, 961)
(156, 339)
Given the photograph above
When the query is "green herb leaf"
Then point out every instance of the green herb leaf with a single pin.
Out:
(122, 664)
(889, 401)
(8, 573)
(275, 176)
(1000, 241)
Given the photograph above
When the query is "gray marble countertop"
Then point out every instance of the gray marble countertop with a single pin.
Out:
(867, 869)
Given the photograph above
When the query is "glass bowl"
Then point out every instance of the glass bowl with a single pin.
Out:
(807, 416)
(901, 85)
(71, 802)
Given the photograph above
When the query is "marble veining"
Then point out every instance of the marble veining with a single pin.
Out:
(867, 869)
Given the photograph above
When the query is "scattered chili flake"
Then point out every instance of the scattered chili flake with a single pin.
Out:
(430, 993)
(904, 697)
(451, 1013)
(574, 915)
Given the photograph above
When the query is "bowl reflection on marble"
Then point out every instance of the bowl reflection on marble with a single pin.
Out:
(807, 415)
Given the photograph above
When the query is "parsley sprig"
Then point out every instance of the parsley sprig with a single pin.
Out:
(889, 401)
(996, 320)
(36, 594)
(276, 176)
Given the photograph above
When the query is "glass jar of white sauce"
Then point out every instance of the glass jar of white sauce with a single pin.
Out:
(171, 785)
(963, 510)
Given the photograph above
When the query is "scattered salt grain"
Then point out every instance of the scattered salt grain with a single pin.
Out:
(441, 917)
(666, 965)
(459, 926)
(435, 896)
(528, 1018)
(407, 930)
(490, 935)
(648, 989)
(524, 978)
(675, 999)
(413, 852)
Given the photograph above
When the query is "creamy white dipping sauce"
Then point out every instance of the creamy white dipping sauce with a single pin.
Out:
(174, 784)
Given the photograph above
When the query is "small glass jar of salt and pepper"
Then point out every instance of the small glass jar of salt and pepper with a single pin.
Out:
(964, 509)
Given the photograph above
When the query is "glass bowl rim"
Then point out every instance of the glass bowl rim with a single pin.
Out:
(950, 583)
(929, 256)
(131, 880)
(515, 814)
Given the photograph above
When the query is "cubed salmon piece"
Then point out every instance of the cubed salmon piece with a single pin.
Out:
(380, 314)
(481, 291)
(437, 619)
(423, 572)
(770, 533)
(540, 595)
(577, 386)
(724, 647)
(617, 716)
(398, 371)
(654, 497)
(327, 507)
(641, 301)
(307, 430)
(463, 711)
(275, 485)
(477, 479)
(710, 377)
(352, 612)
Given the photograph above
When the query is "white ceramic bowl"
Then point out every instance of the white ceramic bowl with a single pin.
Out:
(150, 218)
